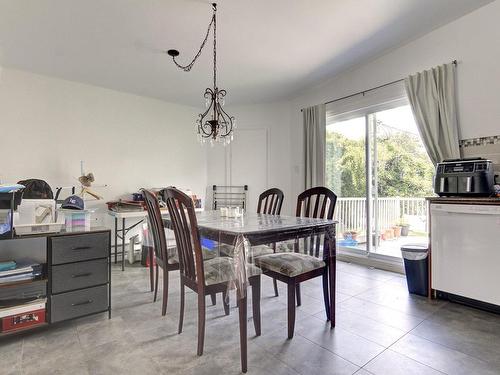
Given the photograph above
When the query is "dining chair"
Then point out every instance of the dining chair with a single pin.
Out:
(165, 258)
(164, 255)
(308, 260)
(270, 203)
(204, 277)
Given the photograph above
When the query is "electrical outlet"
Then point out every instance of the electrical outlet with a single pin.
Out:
(98, 221)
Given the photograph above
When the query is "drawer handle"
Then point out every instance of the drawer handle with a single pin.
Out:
(81, 275)
(81, 248)
(82, 303)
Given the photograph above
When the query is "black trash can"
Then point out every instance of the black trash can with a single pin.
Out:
(416, 259)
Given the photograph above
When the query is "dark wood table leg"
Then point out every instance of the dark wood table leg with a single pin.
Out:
(332, 270)
(242, 307)
(123, 244)
(116, 239)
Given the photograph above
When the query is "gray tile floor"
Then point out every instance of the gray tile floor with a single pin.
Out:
(380, 330)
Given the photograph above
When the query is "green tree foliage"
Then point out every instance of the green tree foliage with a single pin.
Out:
(404, 169)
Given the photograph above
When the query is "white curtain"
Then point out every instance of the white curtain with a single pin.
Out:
(315, 145)
(432, 97)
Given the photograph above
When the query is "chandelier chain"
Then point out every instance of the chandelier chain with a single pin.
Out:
(215, 47)
(189, 66)
(214, 123)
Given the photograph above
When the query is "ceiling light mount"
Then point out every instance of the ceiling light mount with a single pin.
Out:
(213, 125)
(173, 52)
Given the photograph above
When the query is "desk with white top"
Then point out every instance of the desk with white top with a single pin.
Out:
(121, 232)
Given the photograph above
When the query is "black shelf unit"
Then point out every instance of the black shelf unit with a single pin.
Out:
(76, 276)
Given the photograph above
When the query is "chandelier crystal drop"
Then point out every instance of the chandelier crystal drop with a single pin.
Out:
(214, 125)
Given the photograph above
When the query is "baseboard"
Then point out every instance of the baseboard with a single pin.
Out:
(373, 260)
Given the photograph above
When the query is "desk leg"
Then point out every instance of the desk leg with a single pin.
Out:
(242, 307)
(109, 279)
(123, 244)
(116, 239)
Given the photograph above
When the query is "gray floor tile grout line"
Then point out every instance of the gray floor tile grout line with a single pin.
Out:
(409, 333)
(385, 348)
(286, 364)
(404, 335)
(328, 350)
(22, 356)
(419, 320)
(346, 309)
(440, 344)
(87, 363)
(353, 333)
(388, 307)
(368, 277)
(371, 360)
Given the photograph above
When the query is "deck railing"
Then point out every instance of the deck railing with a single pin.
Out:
(351, 212)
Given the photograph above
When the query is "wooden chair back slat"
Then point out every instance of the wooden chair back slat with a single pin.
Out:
(320, 193)
(270, 202)
(156, 225)
(323, 201)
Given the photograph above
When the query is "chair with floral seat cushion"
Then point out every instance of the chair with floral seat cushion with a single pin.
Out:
(307, 261)
(173, 257)
(270, 203)
(221, 270)
(204, 277)
(164, 249)
(228, 250)
(290, 264)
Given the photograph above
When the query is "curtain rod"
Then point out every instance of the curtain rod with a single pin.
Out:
(454, 62)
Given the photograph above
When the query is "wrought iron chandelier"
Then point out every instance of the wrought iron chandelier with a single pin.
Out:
(213, 125)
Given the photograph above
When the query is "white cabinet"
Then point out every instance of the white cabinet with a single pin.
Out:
(465, 245)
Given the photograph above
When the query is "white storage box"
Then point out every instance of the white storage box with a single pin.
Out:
(76, 220)
(36, 216)
(36, 211)
(27, 229)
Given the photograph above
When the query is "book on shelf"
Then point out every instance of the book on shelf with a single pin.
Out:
(20, 277)
(7, 266)
(22, 268)
(37, 304)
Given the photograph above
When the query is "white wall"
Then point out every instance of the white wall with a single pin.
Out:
(274, 120)
(56, 123)
(128, 142)
(474, 40)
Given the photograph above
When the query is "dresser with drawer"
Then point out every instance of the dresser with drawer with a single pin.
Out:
(75, 279)
(79, 275)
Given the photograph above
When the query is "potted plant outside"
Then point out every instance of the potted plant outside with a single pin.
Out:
(405, 228)
(351, 234)
(397, 230)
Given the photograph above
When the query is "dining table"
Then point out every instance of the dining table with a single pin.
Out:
(252, 229)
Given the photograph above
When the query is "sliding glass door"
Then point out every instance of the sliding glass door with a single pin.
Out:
(377, 165)
(346, 176)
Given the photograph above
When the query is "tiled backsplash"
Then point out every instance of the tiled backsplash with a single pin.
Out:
(484, 147)
(472, 142)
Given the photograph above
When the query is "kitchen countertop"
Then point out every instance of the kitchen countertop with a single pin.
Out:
(465, 200)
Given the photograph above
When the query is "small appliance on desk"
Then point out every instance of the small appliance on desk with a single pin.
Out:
(464, 177)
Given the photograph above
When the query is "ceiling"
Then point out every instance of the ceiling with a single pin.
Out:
(267, 49)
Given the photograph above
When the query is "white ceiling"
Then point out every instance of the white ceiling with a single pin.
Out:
(267, 49)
